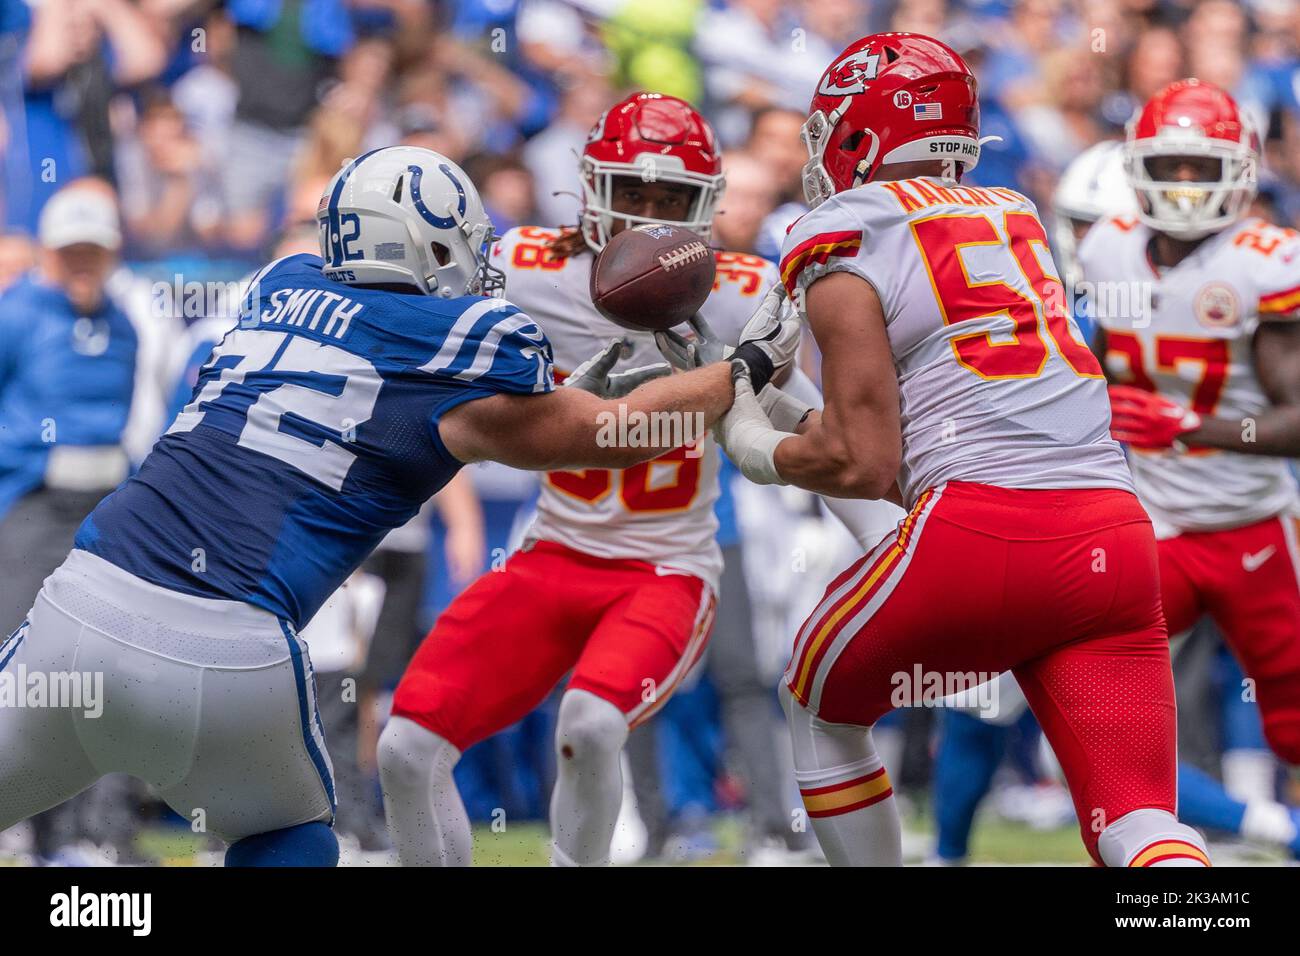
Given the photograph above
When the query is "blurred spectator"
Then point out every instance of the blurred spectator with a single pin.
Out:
(552, 155)
(68, 357)
(774, 141)
(506, 186)
(1064, 122)
(1155, 61)
(747, 201)
(755, 56)
(1013, 72)
(168, 200)
(285, 52)
(75, 55)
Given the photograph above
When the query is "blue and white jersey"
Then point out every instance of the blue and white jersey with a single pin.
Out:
(312, 432)
(66, 380)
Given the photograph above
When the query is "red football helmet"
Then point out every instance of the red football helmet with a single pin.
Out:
(655, 138)
(889, 98)
(1192, 118)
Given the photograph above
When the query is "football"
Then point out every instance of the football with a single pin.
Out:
(652, 277)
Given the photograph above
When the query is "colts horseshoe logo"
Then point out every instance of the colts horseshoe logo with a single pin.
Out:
(440, 222)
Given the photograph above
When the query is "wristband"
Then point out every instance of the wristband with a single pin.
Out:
(757, 362)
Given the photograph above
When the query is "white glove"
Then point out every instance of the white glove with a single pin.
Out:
(594, 375)
(685, 354)
(770, 339)
(746, 434)
(784, 410)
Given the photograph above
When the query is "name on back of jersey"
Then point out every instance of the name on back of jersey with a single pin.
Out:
(318, 310)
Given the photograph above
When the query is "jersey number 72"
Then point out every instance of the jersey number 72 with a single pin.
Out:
(301, 400)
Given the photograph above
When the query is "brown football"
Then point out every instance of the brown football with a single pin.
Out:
(652, 277)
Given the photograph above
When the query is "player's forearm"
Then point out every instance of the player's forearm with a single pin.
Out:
(655, 418)
(1275, 432)
(822, 461)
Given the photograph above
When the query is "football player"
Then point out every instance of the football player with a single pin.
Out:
(1207, 383)
(1093, 187)
(615, 582)
(956, 380)
(354, 387)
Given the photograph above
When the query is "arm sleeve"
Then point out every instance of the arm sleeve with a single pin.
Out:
(829, 239)
(513, 356)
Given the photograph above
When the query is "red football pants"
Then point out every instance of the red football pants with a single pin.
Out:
(1060, 587)
(628, 633)
(1248, 580)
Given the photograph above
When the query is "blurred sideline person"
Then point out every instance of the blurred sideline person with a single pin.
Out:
(272, 486)
(67, 377)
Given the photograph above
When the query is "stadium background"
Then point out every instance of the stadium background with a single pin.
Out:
(219, 123)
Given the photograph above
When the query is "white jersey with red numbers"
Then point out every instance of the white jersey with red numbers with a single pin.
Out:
(660, 511)
(995, 385)
(1187, 333)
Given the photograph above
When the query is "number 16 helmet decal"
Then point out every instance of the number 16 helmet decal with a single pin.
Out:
(888, 98)
(407, 216)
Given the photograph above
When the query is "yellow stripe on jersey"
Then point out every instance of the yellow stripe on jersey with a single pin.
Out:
(1280, 302)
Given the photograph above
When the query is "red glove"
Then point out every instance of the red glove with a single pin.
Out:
(1146, 420)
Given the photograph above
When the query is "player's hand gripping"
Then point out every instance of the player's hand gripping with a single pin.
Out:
(685, 354)
(768, 342)
(596, 376)
(747, 435)
(1144, 419)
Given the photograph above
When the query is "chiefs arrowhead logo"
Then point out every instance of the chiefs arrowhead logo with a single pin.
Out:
(1217, 306)
(850, 74)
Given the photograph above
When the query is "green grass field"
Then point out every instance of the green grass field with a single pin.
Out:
(995, 842)
(526, 844)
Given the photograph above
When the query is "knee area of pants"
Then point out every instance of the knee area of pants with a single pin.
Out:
(409, 754)
(588, 728)
(308, 844)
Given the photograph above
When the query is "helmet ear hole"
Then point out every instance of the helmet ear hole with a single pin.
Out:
(440, 252)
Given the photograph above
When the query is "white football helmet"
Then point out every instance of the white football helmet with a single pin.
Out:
(408, 216)
(1094, 186)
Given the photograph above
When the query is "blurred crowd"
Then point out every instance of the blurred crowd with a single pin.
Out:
(219, 122)
(198, 136)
